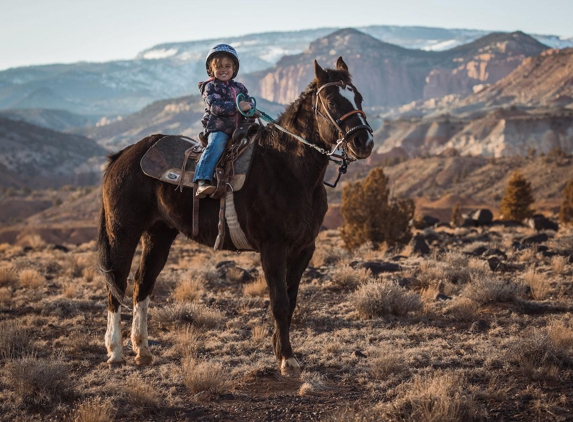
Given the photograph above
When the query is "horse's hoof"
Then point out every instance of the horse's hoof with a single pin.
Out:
(290, 368)
(143, 360)
(115, 364)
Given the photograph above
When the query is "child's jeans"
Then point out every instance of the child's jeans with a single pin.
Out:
(206, 166)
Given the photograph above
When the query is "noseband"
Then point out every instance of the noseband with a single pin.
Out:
(338, 122)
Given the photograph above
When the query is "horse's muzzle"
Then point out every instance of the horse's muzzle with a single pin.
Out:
(361, 144)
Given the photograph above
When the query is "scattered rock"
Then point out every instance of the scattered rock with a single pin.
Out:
(495, 252)
(468, 222)
(482, 217)
(536, 238)
(60, 248)
(495, 263)
(540, 222)
(479, 251)
(377, 267)
(419, 245)
(479, 326)
(398, 258)
(228, 270)
(359, 354)
(441, 296)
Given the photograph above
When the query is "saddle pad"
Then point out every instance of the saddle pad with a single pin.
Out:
(164, 159)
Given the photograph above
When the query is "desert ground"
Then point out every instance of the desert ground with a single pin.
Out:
(478, 329)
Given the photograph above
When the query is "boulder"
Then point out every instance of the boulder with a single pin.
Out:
(539, 222)
(482, 217)
(536, 238)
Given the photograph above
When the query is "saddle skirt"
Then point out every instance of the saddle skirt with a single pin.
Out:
(165, 159)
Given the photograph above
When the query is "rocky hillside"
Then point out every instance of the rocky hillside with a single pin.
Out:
(545, 80)
(60, 120)
(38, 157)
(178, 116)
(530, 109)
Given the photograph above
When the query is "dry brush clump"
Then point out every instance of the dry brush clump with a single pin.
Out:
(540, 350)
(15, 340)
(31, 279)
(257, 288)
(8, 277)
(189, 313)
(94, 409)
(436, 397)
(39, 383)
(199, 376)
(538, 283)
(490, 289)
(384, 297)
(142, 396)
(188, 290)
(347, 278)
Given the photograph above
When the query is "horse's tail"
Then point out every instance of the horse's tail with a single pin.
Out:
(105, 260)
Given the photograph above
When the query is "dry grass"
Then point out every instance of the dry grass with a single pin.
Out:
(141, 395)
(539, 352)
(383, 365)
(490, 289)
(70, 290)
(31, 279)
(379, 298)
(257, 288)
(93, 409)
(199, 376)
(39, 383)
(33, 240)
(462, 309)
(259, 334)
(538, 283)
(187, 313)
(15, 340)
(313, 383)
(347, 278)
(8, 277)
(6, 296)
(188, 290)
(437, 397)
(188, 342)
(559, 264)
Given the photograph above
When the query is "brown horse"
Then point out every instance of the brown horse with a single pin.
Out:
(280, 209)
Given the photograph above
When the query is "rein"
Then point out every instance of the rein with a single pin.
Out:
(345, 160)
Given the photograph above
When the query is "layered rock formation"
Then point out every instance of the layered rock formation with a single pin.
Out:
(393, 75)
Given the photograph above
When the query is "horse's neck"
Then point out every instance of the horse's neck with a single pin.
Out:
(305, 162)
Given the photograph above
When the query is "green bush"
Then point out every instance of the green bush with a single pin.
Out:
(369, 216)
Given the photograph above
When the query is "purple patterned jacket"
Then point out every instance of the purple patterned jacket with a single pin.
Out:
(221, 114)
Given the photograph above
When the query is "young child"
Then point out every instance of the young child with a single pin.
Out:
(221, 116)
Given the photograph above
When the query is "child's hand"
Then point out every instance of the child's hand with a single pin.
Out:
(245, 105)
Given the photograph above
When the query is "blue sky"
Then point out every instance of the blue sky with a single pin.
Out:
(65, 31)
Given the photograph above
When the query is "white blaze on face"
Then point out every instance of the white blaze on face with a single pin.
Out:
(113, 341)
(139, 326)
(349, 93)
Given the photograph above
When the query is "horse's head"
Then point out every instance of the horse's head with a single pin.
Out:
(338, 106)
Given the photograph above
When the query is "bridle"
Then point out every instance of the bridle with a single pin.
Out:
(337, 122)
(341, 143)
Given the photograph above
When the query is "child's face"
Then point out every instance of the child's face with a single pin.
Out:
(223, 70)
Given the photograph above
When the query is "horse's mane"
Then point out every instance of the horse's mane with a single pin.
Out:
(297, 116)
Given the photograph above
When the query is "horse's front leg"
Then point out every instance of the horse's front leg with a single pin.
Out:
(274, 262)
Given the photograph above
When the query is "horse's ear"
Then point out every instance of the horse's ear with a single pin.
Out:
(340, 65)
(319, 71)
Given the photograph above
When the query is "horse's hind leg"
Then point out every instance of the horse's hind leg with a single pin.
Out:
(156, 243)
(115, 260)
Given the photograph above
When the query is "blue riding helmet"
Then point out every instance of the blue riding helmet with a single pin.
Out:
(223, 48)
